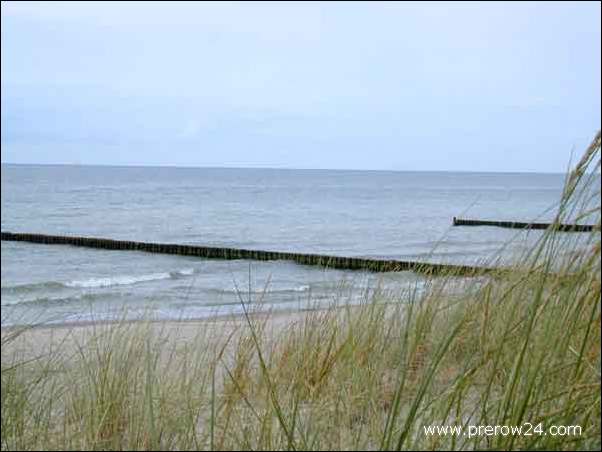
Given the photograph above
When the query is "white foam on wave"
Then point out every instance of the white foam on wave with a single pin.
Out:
(117, 280)
(186, 272)
(46, 286)
(127, 280)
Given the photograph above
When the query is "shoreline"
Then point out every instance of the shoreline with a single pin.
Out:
(218, 318)
(270, 312)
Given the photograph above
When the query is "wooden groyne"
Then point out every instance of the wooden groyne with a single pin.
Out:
(335, 262)
(521, 225)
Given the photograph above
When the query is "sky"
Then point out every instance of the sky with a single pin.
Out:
(499, 87)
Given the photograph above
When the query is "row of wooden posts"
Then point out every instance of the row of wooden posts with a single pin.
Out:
(522, 225)
(335, 262)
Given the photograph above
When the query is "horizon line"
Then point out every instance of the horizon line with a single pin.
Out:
(275, 168)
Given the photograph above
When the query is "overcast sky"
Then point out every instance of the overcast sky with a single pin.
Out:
(474, 87)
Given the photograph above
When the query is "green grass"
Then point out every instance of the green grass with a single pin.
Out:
(522, 346)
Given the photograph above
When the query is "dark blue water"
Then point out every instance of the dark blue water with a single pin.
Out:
(379, 214)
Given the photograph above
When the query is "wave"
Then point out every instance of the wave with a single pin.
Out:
(185, 272)
(127, 280)
(92, 283)
(116, 281)
(56, 300)
(32, 287)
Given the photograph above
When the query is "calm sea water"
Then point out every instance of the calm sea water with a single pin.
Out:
(405, 215)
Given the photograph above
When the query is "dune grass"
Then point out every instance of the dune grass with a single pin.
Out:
(518, 348)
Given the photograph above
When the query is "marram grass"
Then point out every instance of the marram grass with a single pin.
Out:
(519, 348)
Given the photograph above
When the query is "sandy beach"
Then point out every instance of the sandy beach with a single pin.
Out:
(44, 340)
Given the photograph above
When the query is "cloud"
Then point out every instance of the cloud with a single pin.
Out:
(365, 84)
(268, 19)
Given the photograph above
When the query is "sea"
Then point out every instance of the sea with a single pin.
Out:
(380, 214)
